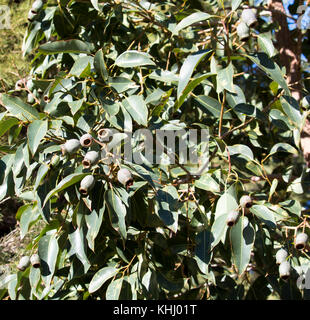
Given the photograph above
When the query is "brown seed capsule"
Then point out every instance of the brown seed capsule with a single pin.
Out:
(91, 158)
(124, 176)
(24, 263)
(86, 140)
(87, 184)
(35, 260)
(232, 218)
(300, 241)
(284, 270)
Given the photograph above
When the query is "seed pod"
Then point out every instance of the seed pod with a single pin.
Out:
(86, 140)
(232, 218)
(30, 98)
(23, 263)
(31, 16)
(124, 176)
(284, 270)
(103, 134)
(249, 17)
(246, 202)
(301, 240)
(90, 159)
(37, 6)
(243, 31)
(30, 84)
(35, 260)
(71, 146)
(281, 256)
(55, 160)
(87, 184)
(18, 85)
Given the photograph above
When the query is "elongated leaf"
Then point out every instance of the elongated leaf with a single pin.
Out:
(100, 66)
(225, 204)
(121, 84)
(211, 106)
(48, 251)
(133, 58)
(264, 214)
(19, 109)
(101, 277)
(242, 237)
(241, 149)
(292, 110)
(6, 124)
(28, 217)
(188, 68)
(82, 66)
(36, 132)
(114, 289)
(219, 229)
(66, 46)
(224, 79)
(203, 252)
(137, 108)
(191, 19)
(65, 183)
(265, 43)
(283, 147)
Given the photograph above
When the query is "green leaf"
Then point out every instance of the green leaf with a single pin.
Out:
(242, 237)
(225, 204)
(137, 108)
(75, 106)
(219, 229)
(114, 289)
(191, 19)
(292, 206)
(65, 183)
(121, 84)
(235, 4)
(100, 66)
(35, 133)
(292, 110)
(48, 251)
(265, 43)
(264, 214)
(82, 66)
(43, 170)
(283, 147)
(211, 106)
(19, 109)
(28, 215)
(117, 212)
(224, 79)
(203, 252)
(101, 277)
(188, 68)
(250, 110)
(133, 58)
(6, 124)
(241, 149)
(206, 182)
(66, 46)
(270, 68)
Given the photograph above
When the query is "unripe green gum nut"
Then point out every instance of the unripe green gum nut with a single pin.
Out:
(124, 176)
(23, 264)
(70, 146)
(87, 184)
(91, 158)
(243, 31)
(281, 256)
(301, 240)
(284, 270)
(232, 218)
(248, 16)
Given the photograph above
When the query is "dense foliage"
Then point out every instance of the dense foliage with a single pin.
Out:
(128, 65)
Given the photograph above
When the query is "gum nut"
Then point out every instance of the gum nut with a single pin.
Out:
(18, 85)
(91, 158)
(31, 15)
(232, 218)
(124, 176)
(249, 17)
(103, 134)
(86, 140)
(37, 5)
(70, 146)
(35, 260)
(300, 241)
(284, 270)
(281, 256)
(87, 184)
(243, 31)
(30, 98)
(55, 160)
(246, 202)
(30, 84)
(23, 264)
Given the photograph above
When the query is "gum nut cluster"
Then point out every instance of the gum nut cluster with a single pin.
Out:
(248, 20)
(23, 263)
(284, 270)
(281, 256)
(232, 218)
(246, 202)
(87, 184)
(91, 158)
(301, 240)
(35, 260)
(124, 176)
